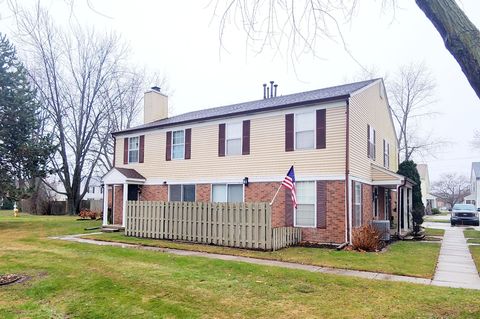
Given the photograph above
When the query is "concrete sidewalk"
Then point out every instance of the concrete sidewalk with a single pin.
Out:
(456, 267)
(257, 261)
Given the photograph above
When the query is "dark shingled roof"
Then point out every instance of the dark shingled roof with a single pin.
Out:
(476, 169)
(130, 173)
(291, 100)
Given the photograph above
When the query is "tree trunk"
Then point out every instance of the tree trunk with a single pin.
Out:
(459, 34)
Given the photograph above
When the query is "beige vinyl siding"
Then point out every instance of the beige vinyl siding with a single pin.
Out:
(378, 175)
(366, 107)
(267, 152)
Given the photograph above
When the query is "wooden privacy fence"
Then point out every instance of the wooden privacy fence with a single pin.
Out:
(243, 225)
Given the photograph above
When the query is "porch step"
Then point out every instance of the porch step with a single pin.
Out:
(112, 229)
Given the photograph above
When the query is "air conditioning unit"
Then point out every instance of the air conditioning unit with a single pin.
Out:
(383, 227)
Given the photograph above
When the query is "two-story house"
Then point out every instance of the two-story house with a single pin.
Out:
(341, 141)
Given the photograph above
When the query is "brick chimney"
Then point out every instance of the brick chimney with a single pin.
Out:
(155, 105)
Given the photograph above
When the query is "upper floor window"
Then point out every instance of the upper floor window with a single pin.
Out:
(133, 149)
(233, 139)
(229, 193)
(371, 142)
(178, 144)
(182, 193)
(386, 154)
(304, 131)
(305, 212)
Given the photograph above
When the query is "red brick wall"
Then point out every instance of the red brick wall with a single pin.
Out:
(335, 230)
(202, 192)
(118, 205)
(381, 203)
(264, 192)
(154, 192)
(367, 203)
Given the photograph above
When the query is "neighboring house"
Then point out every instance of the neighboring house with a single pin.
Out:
(94, 191)
(474, 197)
(341, 141)
(429, 200)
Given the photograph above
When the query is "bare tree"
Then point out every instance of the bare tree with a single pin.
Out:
(410, 95)
(124, 104)
(452, 188)
(72, 70)
(295, 26)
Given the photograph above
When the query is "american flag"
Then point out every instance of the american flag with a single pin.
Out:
(289, 182)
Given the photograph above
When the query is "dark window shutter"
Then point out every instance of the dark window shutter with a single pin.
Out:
(321, 204)
(353, 206)
(168, 148)
(246, 138)
(141, 155)
(288, 208)
(368, 140)
(114, 149)
(321, 128)
(125, 150)
(188, 143)
(289, 132)
(221, 139)
(374, 145)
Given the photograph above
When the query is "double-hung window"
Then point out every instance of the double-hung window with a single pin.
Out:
(178, 144)
(133, 149)
(304, 131)
(305, 214)
(182, 193)
(371, 142)
(233, 140)
(357, 204)
(227, 193)
(386, 154)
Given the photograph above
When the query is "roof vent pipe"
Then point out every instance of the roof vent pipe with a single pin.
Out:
(275, 94)
(268, 91)
(271, 88)
(264, 90)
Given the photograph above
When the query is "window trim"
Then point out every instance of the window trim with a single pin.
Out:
(386, 154)
(226, 138)
(314, 116)
(226, 193)
(181, 192)
(132, 150)
(172, 146)
(372, 138)
(355, 184)
(314, 210)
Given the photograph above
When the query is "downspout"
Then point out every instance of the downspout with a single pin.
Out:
(347, 173)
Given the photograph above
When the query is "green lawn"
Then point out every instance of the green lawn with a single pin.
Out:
(475, 250)
(72, 280)
(391, 261)
(473, 241)
(471, 233)
(434, 232)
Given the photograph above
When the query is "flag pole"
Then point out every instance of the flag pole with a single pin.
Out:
(275, 194)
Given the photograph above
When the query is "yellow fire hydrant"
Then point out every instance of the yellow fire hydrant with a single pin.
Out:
(15, 210)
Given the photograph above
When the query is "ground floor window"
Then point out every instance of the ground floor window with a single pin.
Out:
(182, 193)
(305, 213)
(230, 193)
(357, 204)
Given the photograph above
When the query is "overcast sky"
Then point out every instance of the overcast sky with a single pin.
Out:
(180, 40)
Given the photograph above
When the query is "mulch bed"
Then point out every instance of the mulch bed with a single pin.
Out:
(10, 279)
